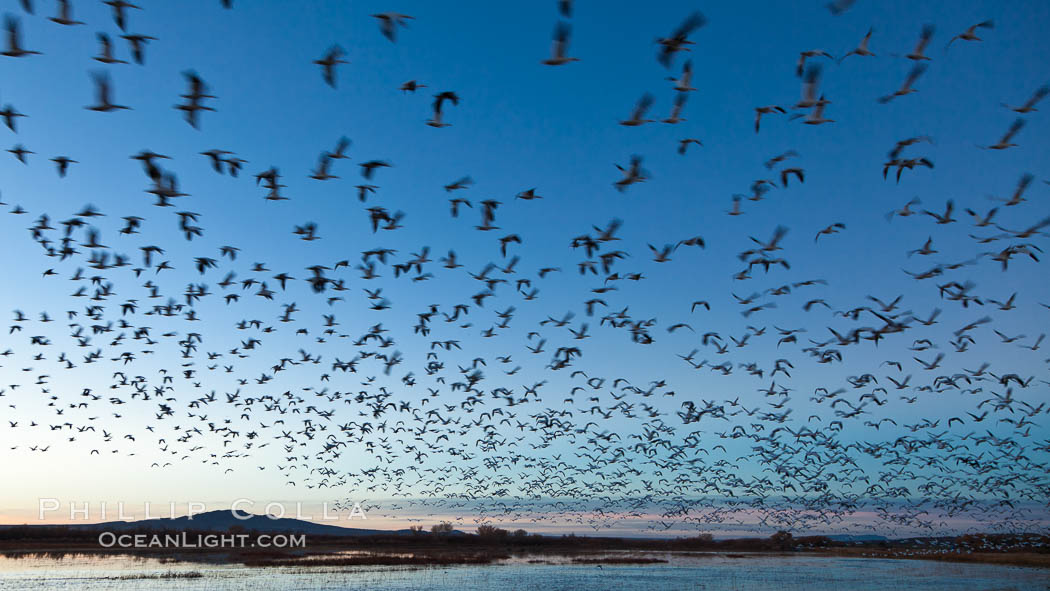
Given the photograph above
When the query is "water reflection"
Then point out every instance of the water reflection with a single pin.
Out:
(539, 572)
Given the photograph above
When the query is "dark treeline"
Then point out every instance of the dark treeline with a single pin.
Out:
(17, 539)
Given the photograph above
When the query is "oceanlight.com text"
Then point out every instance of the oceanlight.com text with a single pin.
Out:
(185, 541)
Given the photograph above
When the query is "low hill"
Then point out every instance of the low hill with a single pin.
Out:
(223, 520)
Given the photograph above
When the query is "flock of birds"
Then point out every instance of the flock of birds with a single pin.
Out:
(498, 421)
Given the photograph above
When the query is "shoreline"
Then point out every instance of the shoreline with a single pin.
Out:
(415, 555)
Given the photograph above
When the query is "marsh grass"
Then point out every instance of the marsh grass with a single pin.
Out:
(1028, 559)
(376, 559)
(191, 574)
(58, 542)
(619, 560)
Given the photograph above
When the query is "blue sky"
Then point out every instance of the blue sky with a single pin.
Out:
(519, 125)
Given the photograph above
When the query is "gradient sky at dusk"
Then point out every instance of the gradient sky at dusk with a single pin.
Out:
(519, 125)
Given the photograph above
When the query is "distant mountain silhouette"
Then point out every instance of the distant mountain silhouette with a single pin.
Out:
(223, 520)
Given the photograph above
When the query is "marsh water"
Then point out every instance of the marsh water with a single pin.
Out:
(524, 573)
